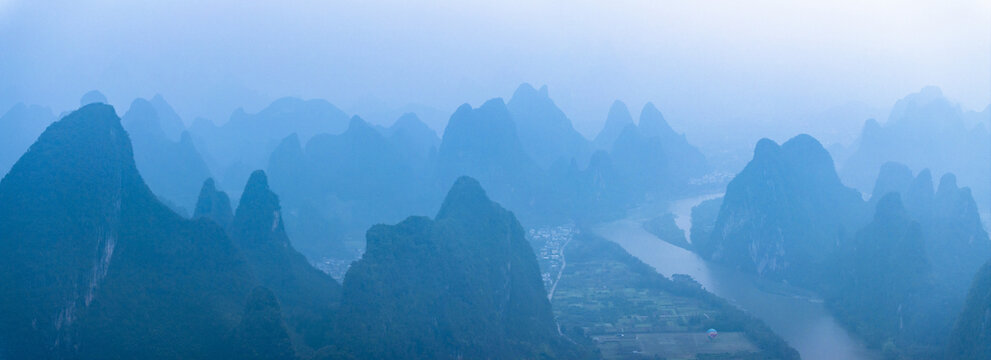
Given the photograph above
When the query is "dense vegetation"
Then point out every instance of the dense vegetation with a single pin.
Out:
(95, 267)
(262, 333)
(97, 261)
(464, 285)
(525, 152)
(215, 205)
(897, 280)
(915, 260)
(665, 229)
(882, 284)
(784, 215)
(704, 219)
(123, 276)
(307, 295)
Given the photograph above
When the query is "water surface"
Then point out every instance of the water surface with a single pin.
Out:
(798, 317)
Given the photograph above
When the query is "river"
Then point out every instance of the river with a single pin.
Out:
(802, 320)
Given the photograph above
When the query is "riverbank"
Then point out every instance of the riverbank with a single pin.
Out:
(629, 311)
(795, 314)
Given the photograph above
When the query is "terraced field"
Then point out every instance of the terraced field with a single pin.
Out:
(630, 312)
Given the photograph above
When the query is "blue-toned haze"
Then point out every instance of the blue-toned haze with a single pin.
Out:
(775, 68)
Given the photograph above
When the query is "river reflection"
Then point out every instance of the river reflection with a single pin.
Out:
(800, 319)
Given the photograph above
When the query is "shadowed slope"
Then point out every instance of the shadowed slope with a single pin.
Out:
(89, 256)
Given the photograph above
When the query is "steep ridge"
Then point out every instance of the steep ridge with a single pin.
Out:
(483, 143)
(652, 157)
(544, 130)
(955, 240)
(463, 285)
(214, 205)
(617, 119)
(89, 255)
(883, 278)
(307, 296)
(171, 123)
(786, 213)
(416, 141)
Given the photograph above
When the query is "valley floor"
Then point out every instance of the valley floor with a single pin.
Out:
(630, 312)
(794, 314)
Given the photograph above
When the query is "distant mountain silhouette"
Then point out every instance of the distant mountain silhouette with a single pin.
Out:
(463, 285)
(342, 184)
(958, 238)
(483, 143)
(170, 122)
(214, 205)
(924, 130)
(415, 141)
(335, 184)
(545, 131)
(619, 117)
(378, 111)
(93, 96)
(685, 159)
(894, 177)
(173, 170)
(289, 170)
(309, 212)
(290, 115)
(979, 120)
(641, 160)
(362, 165)
(956, 242)
(653, 158)
(592, 194)
(245, 141)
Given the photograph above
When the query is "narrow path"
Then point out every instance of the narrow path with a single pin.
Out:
(564, 263)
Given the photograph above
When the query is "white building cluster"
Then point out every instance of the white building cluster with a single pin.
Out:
(549, 242)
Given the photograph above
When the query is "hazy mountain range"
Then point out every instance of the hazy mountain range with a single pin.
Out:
(898, 277)
(137, 236)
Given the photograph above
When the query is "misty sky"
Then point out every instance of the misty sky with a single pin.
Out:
(703, 63)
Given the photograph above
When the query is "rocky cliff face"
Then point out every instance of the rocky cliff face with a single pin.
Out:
(465, 284)
(307, 295)
(785, 213)
(214, 205)
(89, 255)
